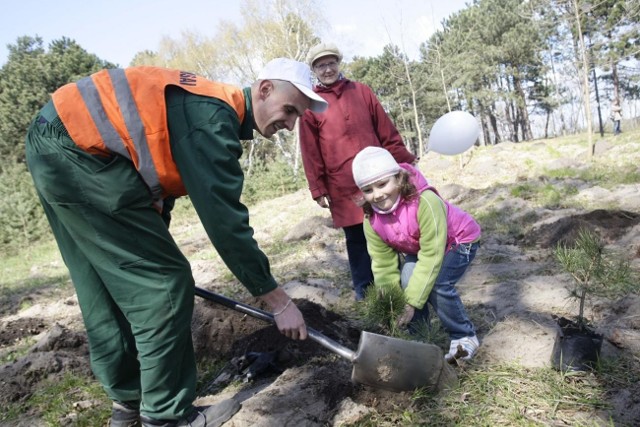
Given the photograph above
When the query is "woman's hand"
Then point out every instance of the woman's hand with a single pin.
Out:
(323, 201)
(406, 317)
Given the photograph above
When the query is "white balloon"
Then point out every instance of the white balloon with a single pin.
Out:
(454, 133)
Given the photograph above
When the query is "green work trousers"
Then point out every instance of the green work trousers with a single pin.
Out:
(135, 288)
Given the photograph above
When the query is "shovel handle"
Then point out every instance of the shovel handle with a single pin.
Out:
(324, 341)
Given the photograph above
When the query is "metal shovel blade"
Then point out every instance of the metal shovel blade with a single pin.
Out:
(380, 361)
(397, 365)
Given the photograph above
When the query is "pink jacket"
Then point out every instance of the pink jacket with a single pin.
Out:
(400, 230)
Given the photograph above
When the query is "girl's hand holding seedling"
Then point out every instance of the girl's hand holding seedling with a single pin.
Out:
(406, 317)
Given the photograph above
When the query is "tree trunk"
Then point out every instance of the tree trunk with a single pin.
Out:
(414, 105)
(523, 115)
(616, 81)
(585, 81)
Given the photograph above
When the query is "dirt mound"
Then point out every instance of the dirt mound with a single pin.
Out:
(222, 332)
(58, 352)
(610, 225)
(15, 330)
(308, 383)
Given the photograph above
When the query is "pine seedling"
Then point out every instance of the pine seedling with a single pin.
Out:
(383, 305)
(595, 271)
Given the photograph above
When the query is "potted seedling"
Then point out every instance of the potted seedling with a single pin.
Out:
(595, 272)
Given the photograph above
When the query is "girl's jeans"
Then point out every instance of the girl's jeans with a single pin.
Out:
(443, 297)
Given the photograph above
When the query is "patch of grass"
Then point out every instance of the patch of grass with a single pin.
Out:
(606, 176)
(551, 196)
(495, 221)
(554, 197)
(504, 222)
(38, 261)
(562, 173)
(55, 402)
(505, 395)
(17, 350)
(524, 191)
(37, 269)
(281, 249)
(516, 396)
(553, 151)
(530, 164)
(183, 213)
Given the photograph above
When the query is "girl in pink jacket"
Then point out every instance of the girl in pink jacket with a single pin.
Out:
(405, 215)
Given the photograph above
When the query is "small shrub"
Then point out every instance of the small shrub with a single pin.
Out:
(268, 181)
(22, 217)
(595, 272)
(381, 308)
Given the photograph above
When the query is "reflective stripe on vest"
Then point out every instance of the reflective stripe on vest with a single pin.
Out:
(123, 112)
(134, 124)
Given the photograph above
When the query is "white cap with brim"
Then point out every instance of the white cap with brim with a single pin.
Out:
(296, 73)
(373, 164)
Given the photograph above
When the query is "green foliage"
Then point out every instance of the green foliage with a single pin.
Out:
(595, 272)
(605, 176)
(268, 181)
(400, 85)
(27, 80)
(554, 196)
(524, 191)
(23, 219)
(29, 77)
(382, 306)
(551, 196)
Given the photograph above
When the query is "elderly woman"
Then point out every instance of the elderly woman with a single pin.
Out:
(330, 140)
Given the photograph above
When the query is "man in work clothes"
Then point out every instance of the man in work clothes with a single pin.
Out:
(108, 155)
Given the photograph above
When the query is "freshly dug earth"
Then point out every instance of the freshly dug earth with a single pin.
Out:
(512, 290)
(320, 379)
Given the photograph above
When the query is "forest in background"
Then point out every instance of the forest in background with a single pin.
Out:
(526, 69)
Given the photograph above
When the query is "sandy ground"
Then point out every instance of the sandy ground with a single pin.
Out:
(512, 290)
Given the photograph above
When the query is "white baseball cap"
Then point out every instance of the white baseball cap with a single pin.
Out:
(373, 164)
(296, 73)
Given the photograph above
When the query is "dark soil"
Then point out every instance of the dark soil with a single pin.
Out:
(219, 334)
(57, 352)
(610, 225)
(222, 332)
(15, 330)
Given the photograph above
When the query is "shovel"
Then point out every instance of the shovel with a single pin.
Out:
(380, 361)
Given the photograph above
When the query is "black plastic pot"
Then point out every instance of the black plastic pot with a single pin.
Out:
(575, 348)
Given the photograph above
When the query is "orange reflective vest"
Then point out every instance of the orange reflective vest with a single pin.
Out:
(123, 111)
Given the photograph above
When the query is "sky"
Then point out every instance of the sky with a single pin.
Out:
(115, 30)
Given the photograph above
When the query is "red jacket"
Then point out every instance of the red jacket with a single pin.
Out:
(330, 140)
